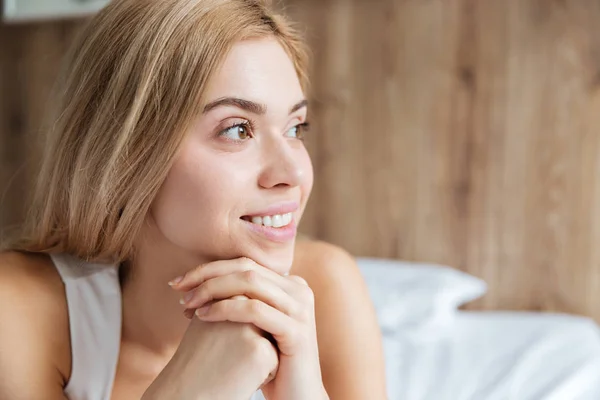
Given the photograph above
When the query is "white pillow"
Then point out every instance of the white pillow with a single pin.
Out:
(418, 300)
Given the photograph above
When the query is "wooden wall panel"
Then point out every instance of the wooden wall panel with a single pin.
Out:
(464, 132)
(30, 57)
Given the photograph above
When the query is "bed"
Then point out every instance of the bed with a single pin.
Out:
(436, 351)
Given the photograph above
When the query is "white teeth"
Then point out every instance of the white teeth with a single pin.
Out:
(287, 218)
(275, 221)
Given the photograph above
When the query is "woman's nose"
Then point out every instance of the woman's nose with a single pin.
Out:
(281, 165)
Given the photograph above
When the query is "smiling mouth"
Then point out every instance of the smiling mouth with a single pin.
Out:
(271, 221)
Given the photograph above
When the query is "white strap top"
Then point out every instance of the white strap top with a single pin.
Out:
(94, 303)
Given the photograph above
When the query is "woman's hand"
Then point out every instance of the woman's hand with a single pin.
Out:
(210, 357)
(280, 305)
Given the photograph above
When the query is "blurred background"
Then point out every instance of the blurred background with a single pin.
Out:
(459, 132)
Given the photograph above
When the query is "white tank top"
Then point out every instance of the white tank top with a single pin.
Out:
(94, 303)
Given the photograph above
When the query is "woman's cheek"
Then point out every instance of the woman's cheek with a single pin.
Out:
(308, 178)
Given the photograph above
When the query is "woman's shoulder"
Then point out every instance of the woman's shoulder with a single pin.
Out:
(347, 330)
(34, 324)
(33, 279)
(29, 268)
(321, 264)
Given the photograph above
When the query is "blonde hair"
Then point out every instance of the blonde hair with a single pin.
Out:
(133, 82)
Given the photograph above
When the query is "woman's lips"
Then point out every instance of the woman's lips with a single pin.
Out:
(282, 234)
(279, 208)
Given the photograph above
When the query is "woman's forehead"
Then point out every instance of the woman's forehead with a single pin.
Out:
(259, 70)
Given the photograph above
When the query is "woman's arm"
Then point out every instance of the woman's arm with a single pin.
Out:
(34, 337)
(349, 338)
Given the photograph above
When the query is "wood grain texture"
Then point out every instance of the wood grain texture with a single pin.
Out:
(463, 132)
(30, 57)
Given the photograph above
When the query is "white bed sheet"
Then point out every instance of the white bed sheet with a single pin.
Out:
(497, 356)
(436, 352)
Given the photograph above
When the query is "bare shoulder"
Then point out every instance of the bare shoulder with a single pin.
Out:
(18, 269)
(329, 270)
(321, 263)
(350, 343)
(333, 274)
(34, 328)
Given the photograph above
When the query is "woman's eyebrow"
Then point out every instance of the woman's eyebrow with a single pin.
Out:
(250, 106)
(298, 106)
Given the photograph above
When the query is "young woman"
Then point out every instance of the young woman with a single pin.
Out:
(159, 259)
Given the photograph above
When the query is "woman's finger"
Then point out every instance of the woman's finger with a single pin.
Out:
(189, 312)
(284, 329)
(210, 270)
(248, 283)
(200, 274)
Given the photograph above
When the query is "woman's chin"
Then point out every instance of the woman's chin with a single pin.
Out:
(279, 260)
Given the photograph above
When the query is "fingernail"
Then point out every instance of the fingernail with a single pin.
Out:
(187, 297)
(176, 281)
(202, 311)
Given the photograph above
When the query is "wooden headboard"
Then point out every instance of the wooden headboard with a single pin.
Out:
(462, 132)
(465, 133)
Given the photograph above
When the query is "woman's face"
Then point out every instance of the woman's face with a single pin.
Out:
(241, 180)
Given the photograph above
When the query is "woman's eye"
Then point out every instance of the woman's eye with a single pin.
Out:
(237, 132)
(297, 132)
